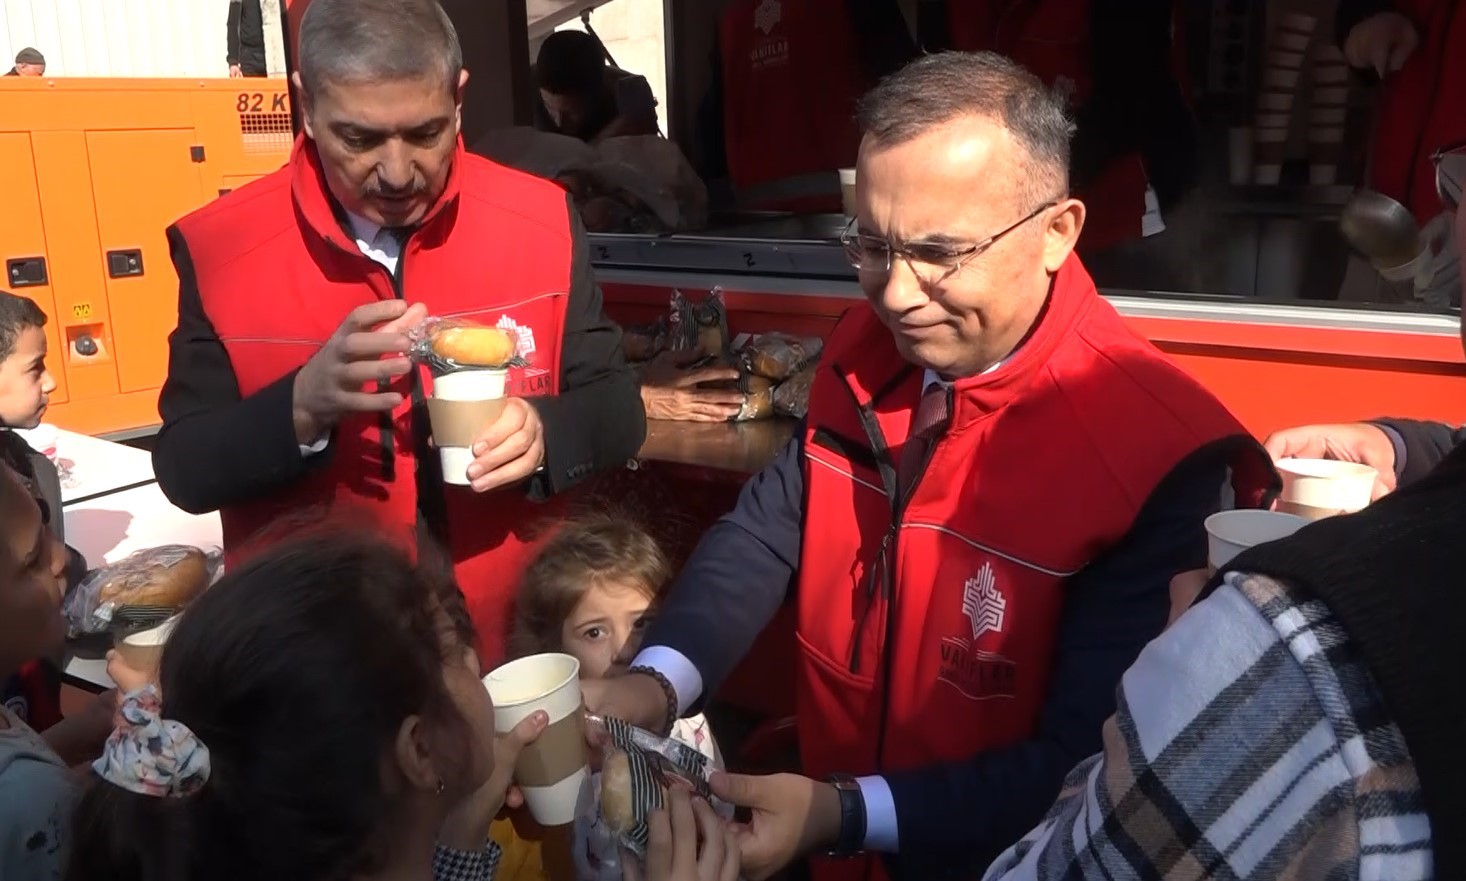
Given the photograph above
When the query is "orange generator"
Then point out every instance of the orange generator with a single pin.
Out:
(94, 171)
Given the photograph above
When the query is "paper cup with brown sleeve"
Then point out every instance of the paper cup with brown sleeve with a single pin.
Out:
(463, 405)
(1229, 533)
(552, 770)
(1319, 488)
(143, 650)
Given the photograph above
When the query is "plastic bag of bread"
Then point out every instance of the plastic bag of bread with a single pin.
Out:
(156, 582)
(448, 345)
(643, 342)
(791, 398)
(778, 356)
(758, 398)
(637, 769)
(702, 326)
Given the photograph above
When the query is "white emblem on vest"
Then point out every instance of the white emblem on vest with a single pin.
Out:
(982, 603)
(525, 335)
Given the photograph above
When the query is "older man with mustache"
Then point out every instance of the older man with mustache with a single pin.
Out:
(288, 388)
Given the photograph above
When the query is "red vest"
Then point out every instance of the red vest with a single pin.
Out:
(1051, 39)
(930, 637)
(277, 274)
(1420, 107)
(791, 78)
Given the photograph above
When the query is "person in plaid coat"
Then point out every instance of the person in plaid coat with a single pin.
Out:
(1294, 722)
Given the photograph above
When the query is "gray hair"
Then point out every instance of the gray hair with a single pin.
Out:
(936, 89)
(366, 40)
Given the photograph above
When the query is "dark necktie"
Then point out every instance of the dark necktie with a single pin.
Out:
(927, 424)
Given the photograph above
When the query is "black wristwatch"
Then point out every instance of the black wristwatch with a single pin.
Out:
(852, 816)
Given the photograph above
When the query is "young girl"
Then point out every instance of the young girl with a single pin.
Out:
(37, 791)
(591, 592)
(322, 719)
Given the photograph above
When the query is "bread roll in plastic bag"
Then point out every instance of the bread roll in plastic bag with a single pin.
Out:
(149, 584)
(637, 769)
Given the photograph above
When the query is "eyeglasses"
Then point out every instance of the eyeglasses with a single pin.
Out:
(875, 254)
(1450, 173)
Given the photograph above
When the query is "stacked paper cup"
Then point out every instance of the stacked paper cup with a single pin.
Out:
(462, 405)
(1287, 51)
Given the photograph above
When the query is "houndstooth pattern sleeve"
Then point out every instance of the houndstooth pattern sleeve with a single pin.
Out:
(465, 865)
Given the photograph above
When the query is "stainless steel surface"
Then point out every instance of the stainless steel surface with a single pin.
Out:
(1381, 228)
(1241, 310)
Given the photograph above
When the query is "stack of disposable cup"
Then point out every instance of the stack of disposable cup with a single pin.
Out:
(552, 770)
(1327, 115)
(1229, 533)
(1286, 53)
(463, 405)
(847, 190)
(1319, 488)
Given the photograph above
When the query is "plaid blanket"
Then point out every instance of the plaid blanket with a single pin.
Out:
(1249, 741)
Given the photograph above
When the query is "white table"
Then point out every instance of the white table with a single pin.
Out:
(115, 508)
(93, 467)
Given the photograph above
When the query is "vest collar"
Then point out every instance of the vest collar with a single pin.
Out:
(872, 367)
(321, 213)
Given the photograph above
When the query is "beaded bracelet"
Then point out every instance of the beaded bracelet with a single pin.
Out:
(667, 689)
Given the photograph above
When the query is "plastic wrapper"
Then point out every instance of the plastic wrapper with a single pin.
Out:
(448, 345)
(758, 398)
(145, 588)
(644, 342)
(791, 398)
(698, 325)
(637, 769)
(778, 356)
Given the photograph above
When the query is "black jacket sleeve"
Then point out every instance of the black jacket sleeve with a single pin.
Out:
(1419, 446)
(597, 422)
(954, 819)
(232, 39)
(740, 573)
(217, 448)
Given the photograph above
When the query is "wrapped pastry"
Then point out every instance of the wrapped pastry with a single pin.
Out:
(448, 345)
(701, 326)
(791, 398)
(779, 355)
(158, 580)
(637, 769)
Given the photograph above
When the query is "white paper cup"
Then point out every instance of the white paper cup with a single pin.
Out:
(143, 650)
(552, 770)
(465, 385)
(847, 190)
(1229, 533)
(470, 385)
(1316, 488)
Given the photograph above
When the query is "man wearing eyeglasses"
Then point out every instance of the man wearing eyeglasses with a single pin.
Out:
(980, 519)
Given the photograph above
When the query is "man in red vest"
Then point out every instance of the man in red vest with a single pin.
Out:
(980, 519)
(288, 395)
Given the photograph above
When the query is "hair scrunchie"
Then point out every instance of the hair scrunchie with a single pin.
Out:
(150, 755)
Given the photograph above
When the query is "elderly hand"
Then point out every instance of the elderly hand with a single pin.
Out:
(672, 851)
(1357, 442)
(511, 450)
(670, 390)
(790, 817)
(1382, 42)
